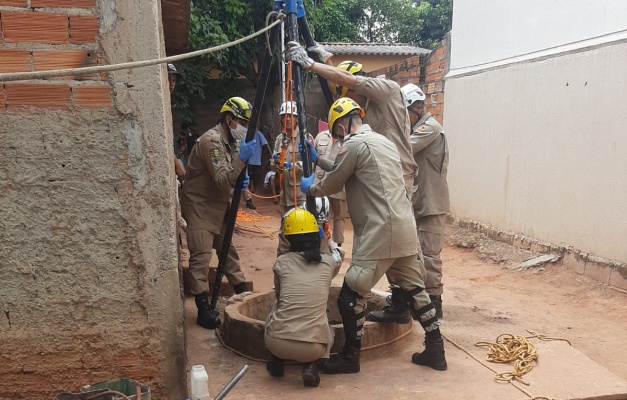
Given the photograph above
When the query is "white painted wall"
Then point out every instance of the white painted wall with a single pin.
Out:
(540, 147)
(486, 31)
(536, 116)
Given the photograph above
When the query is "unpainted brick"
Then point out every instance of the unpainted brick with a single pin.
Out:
(83, 29)
(35, 27)
(63, 3)
(19, 95)
(44, 60)
(618, 277)
(92, 96)
(13, 3)
(14, 60)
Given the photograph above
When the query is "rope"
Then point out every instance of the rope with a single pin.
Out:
(294, 363)
(496, 373)
(20, 76)
(254, 217)
(507, 349)
(264, 197)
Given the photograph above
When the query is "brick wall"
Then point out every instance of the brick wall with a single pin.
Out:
(426, 71)
(89, 284)
(40, 35)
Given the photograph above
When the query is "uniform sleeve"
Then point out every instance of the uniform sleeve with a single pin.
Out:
(422, 136)
(277, 148)
(376, 90)
(225, 173)
(343, 168)
(277, 281)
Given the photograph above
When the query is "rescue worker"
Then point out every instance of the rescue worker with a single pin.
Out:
(288, 162)
(431, 200)
(385, 239)
(297, 327)
(380, 98)
(329, 147)
(213, 167)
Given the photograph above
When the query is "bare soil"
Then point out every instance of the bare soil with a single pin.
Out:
(486, 294)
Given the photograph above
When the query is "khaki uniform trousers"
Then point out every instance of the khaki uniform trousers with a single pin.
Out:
(297, 350)
(430, 232)
(338, 207)
(406, 272)
(201, 244)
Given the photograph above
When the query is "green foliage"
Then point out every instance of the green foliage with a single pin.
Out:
(334, 20)
(213, 22)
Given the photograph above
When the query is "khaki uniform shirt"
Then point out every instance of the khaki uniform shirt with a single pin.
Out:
(431, 154)
(302, 292)
(287, 178)
(387, 114)
(382, 216)
(212, 169)
(328, 148)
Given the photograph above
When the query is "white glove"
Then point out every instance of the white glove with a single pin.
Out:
(296, 52)
(319, 50)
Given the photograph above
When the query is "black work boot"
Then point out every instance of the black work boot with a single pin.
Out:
(204, 316)
(437, 302)
(344, 362)
(432, 356)
(240, 288)
(250, 205)
(310, 375)
(390, 314)
(275, 366)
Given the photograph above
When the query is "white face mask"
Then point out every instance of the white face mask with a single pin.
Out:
(239, 132)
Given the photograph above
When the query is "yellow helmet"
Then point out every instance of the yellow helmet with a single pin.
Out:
(342, 107)
(351, 67)
(239, 107)
(298, 222)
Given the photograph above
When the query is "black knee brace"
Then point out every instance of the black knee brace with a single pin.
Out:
(404, 299)
(426, 316)
(346, 302)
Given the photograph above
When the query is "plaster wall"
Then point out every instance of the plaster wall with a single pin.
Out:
(539, 148)
(486, 31)
(89, 282)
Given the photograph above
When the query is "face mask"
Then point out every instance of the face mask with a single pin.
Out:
(239, 132)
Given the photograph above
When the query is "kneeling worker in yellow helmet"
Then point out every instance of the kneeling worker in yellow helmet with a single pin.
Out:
(297, 327)
(385, 240)
(212, 170)
(380, 98)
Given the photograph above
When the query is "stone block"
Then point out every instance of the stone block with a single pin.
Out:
(599, 271)
(574, 261)
(618, 277)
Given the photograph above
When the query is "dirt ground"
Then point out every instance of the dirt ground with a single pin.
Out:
(486, 294)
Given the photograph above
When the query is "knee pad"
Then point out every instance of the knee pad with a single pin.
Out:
(404, 299)
(347, 301)
(427, 318)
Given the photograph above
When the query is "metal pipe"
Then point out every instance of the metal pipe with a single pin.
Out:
(232, 383)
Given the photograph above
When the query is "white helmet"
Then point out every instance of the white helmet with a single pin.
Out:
(412, 94)
(323, 208)
(288, 107)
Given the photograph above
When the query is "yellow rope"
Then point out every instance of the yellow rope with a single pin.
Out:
(507, 349)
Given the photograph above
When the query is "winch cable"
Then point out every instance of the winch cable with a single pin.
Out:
(297, 77)
(231, 215)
